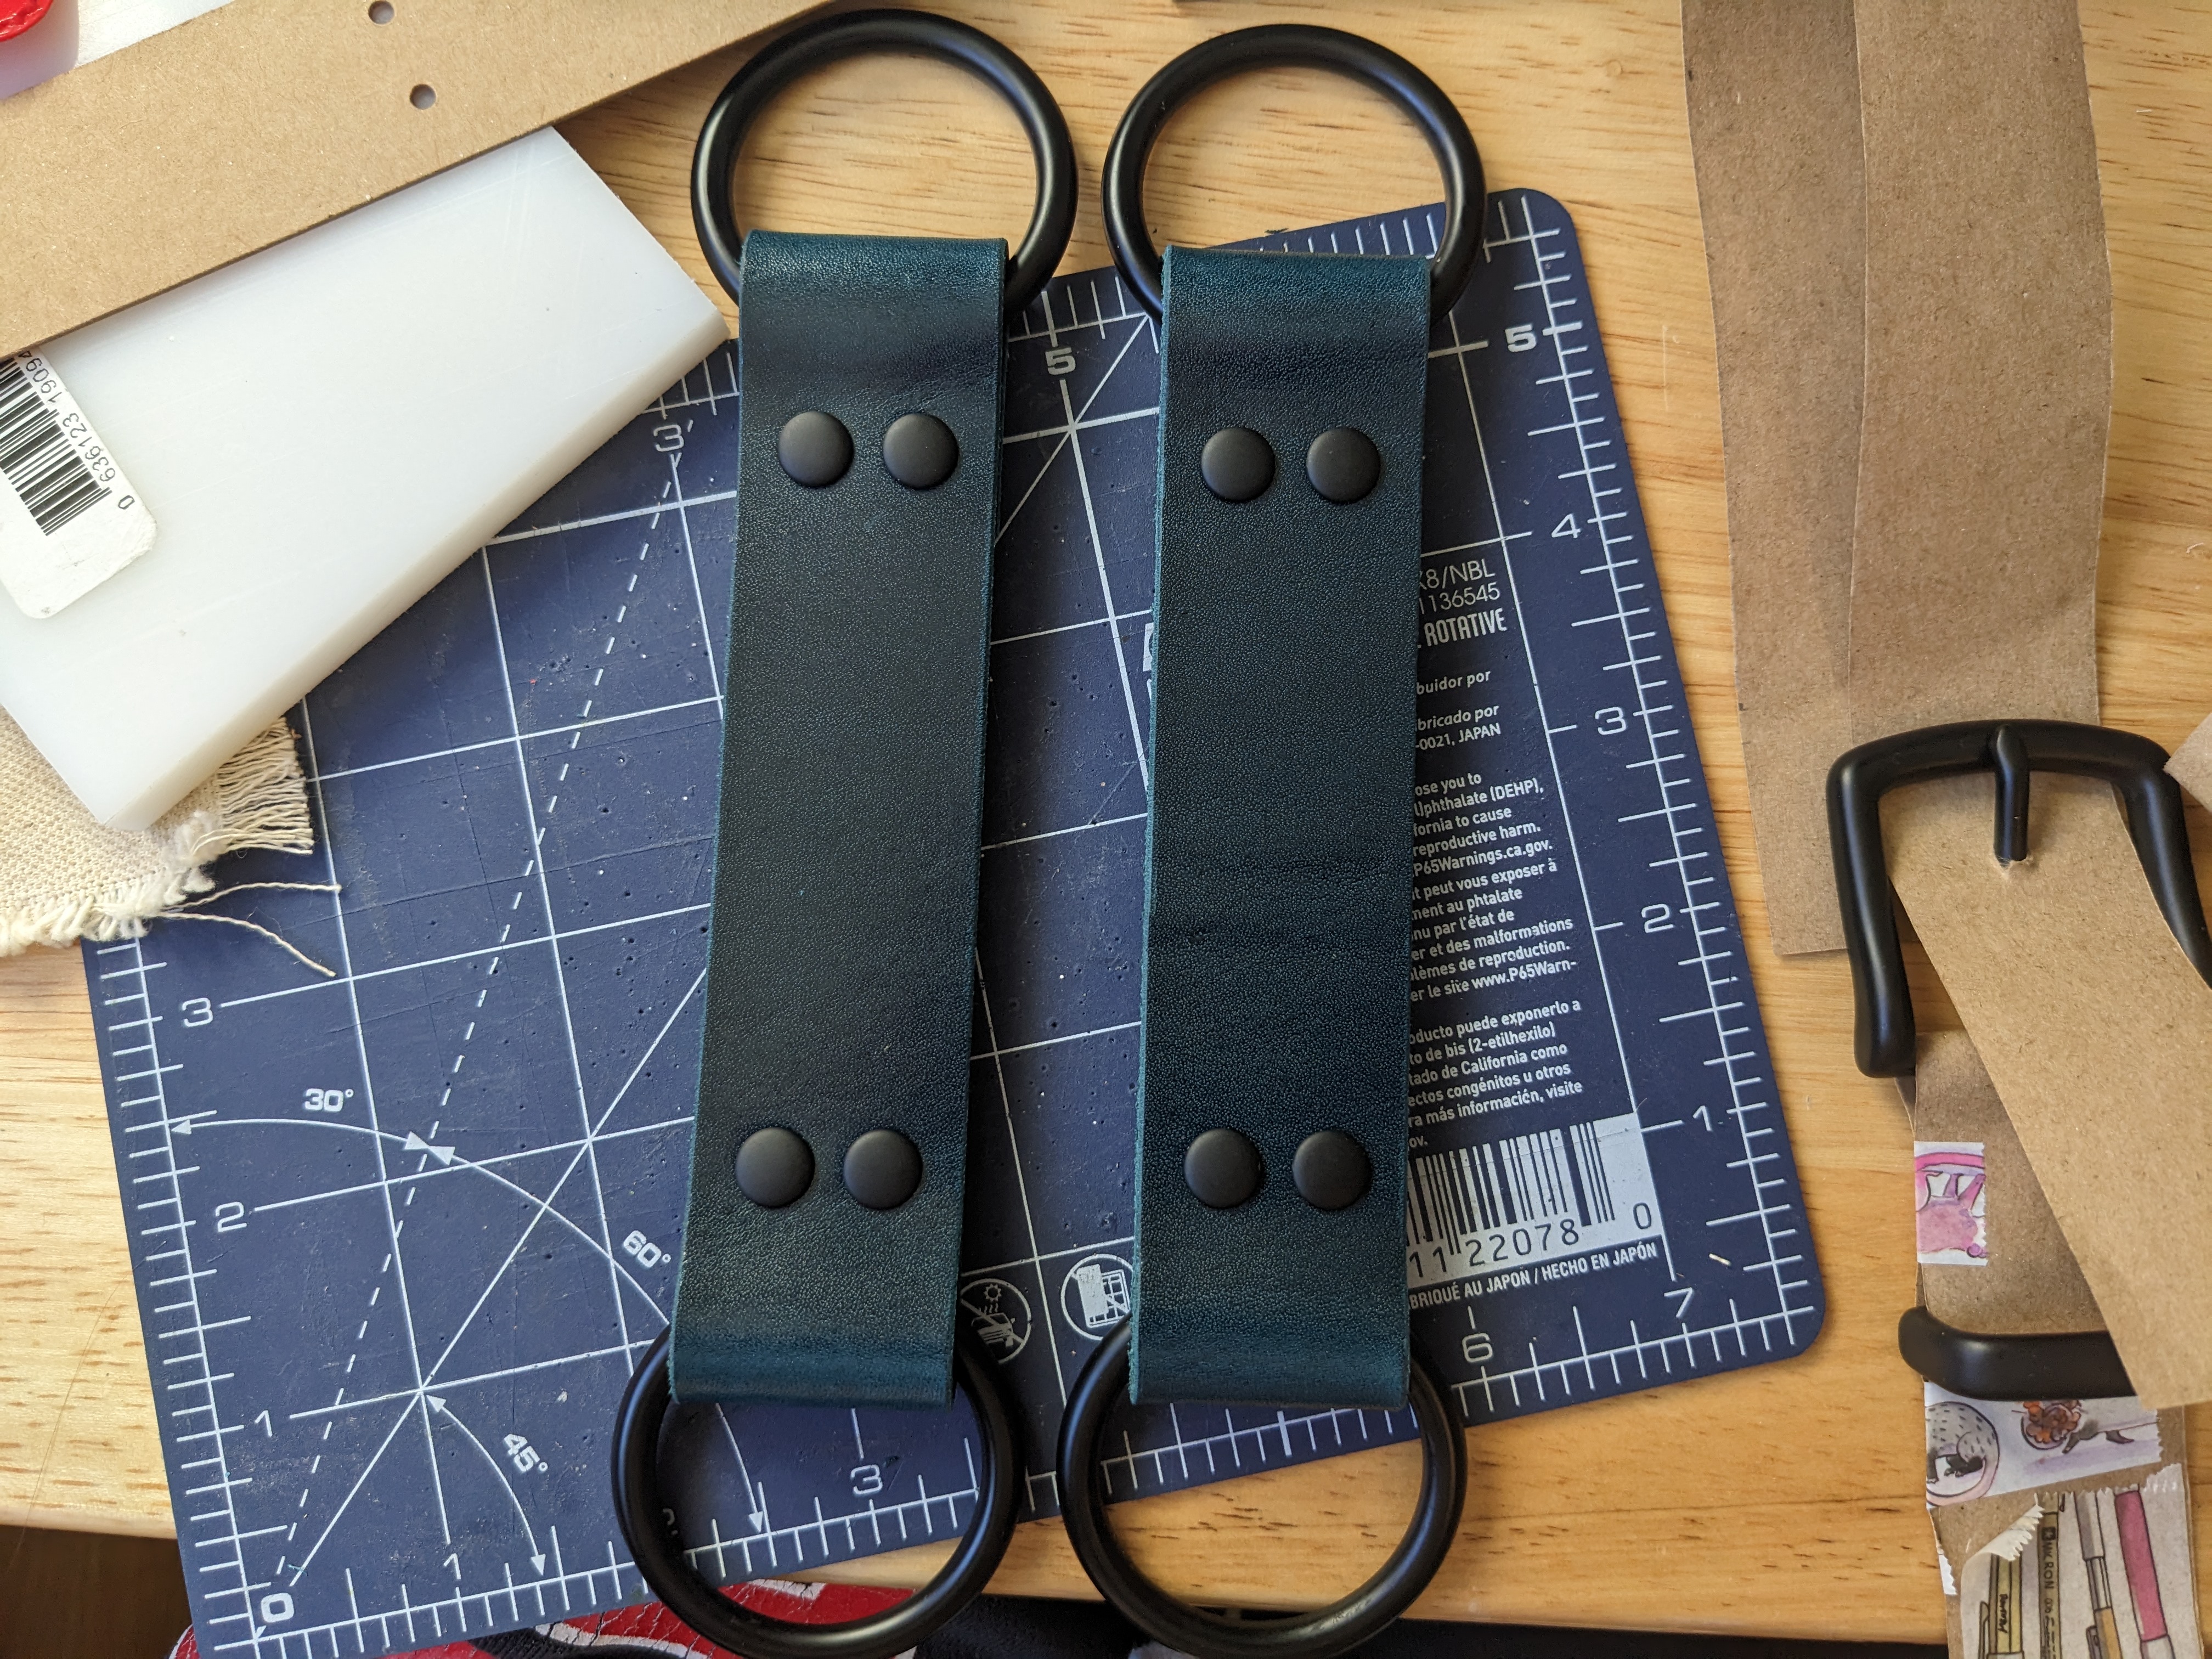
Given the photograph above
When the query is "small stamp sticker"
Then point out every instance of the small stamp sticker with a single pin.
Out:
(1980, 1448)
(1949, 1203)
(69, 518)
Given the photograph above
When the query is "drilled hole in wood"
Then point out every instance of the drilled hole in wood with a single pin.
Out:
(422, 97)
(381, 12)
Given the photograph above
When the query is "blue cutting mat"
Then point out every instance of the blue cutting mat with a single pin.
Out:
(400, 1233)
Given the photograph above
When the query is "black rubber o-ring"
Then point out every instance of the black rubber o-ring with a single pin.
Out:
(1268, 46)
(1335, 1629)
(659, 1555)
(774, 68)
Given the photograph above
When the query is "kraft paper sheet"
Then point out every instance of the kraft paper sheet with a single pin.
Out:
(1912, 314)
(1989, 368)
(1774, 124)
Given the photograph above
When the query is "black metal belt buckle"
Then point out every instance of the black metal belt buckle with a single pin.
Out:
(2071, 1365)
(1986, 1366)
(2133, 766)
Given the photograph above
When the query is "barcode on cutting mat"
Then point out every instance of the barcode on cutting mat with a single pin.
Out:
(1528, 1199)
(36, 457)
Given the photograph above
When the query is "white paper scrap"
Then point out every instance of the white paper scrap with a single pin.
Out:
(1981, 1448)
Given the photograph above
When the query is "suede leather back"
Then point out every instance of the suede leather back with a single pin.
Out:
(838, 978)
(1278, 863)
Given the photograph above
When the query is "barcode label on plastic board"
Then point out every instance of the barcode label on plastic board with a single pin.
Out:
(48, 476)
(69, 518)
(1529, 1199)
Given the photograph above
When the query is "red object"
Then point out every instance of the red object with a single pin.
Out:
(650, 1630)
(17, 16)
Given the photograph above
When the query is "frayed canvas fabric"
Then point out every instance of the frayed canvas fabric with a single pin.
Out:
(65, 877)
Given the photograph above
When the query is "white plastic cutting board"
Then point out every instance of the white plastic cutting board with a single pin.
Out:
(323, 431)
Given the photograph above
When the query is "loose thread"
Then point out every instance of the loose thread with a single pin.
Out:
(264, 886)
(252, 926)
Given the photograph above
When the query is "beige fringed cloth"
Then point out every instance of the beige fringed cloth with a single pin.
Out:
(65, 877)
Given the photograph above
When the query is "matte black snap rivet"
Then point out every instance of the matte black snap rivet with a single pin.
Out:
(814, 448)
(1222, 1169)
(882, 1169)
(1236, 463)
(919, 451)
(1331, 1170)
(1343, 465)
(775, 1168)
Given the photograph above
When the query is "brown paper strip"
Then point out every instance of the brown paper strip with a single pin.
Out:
(1774, 129)
(263, 117)
(1989, 365)
(2031, 1283)
(2191, 765)
(2098, 1035)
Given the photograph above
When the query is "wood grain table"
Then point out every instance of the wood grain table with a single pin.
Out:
(1785, 1499)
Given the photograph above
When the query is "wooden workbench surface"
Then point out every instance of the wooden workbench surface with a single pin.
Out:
(1785, 1499)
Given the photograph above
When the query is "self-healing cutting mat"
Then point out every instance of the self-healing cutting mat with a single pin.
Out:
(401, 1232)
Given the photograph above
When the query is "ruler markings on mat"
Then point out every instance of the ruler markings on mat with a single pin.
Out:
(401, 1233)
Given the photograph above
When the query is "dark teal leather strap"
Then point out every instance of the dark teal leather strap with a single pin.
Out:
(1279, 861)
(838, 978)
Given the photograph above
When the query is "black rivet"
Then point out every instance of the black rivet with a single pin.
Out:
(882, 1169)
(920, 451)
(1343, 465)
(1222, 1169)
(775, 1168)
(1236, 463)
(814, 448)
(1331, 1170)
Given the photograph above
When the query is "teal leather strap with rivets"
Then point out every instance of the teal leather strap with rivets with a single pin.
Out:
(1272, 1095)
(821, 1246)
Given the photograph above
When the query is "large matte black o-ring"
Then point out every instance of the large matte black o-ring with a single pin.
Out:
(774, 68)
(1335, 1629)
(1269, 46)
(659, 1555)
